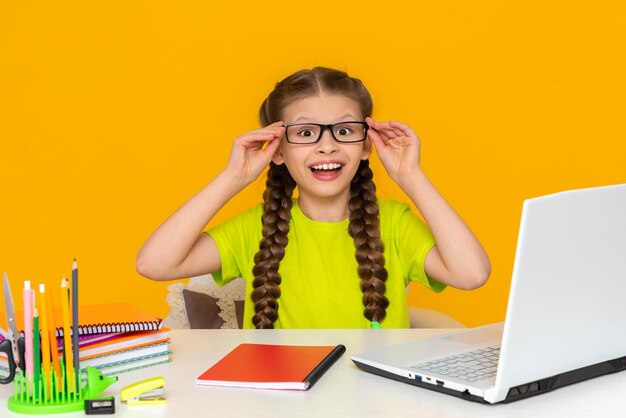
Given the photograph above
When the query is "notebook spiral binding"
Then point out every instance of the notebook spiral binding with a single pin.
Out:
(114, 327)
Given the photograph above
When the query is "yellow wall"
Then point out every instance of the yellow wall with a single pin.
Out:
(112, 114)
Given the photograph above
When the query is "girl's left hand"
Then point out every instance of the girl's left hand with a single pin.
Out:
(397, 146)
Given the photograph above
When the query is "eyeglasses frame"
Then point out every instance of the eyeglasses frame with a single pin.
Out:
(323, 127)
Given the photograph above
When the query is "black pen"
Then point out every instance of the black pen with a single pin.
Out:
(328, 361)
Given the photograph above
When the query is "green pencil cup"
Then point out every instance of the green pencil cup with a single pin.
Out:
(50, 395)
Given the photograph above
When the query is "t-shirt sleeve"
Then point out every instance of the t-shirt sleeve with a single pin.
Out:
(235, 240)
(414, 240)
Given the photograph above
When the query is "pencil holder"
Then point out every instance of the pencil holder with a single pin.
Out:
(50, 395)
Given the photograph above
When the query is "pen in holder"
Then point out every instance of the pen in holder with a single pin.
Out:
(53, 396)
(47, 385)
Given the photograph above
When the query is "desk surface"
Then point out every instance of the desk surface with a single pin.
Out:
(344, 391)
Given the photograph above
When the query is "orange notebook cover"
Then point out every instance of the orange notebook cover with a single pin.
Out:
(266, 366)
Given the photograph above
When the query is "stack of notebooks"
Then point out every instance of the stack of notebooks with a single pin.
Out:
(116, 338)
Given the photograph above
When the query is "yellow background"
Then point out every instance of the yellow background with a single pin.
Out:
(112, 114)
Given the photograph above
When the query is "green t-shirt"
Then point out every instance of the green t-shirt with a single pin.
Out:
(320, 285)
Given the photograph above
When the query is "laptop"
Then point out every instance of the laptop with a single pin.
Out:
(566, 316)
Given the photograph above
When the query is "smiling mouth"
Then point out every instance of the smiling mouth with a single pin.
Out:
(320, 168)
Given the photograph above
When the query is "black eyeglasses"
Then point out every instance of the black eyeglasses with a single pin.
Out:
(310, 133)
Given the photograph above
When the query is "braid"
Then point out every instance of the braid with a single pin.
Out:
(276, 217)
(364, 225)
(364, 228)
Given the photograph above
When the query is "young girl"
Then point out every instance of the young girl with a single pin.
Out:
(335, 256)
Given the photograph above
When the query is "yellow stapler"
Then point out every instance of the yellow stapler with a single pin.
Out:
(146, 392)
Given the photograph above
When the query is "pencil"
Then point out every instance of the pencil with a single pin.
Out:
(28, 330)
(45, 341)
(52, 336)
(75, 321)
(67, 338)
(36, 358)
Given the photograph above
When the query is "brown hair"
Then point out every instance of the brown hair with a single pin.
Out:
(364, 223)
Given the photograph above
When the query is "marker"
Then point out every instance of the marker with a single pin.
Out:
(36, 358)
(45, 341)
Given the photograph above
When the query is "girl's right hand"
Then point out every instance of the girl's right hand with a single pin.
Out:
(248, 157)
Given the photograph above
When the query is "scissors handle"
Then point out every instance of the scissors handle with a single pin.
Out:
(7, 347)
(21, 348)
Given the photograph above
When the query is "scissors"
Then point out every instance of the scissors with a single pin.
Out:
(13, 345)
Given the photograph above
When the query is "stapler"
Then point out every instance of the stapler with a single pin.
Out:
(147, 392)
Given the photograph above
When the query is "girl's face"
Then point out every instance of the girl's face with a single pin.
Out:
(324, 169)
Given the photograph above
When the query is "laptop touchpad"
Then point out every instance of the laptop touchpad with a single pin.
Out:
(476, 336)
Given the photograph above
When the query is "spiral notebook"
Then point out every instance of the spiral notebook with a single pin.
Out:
(103, 319)
(112, 317)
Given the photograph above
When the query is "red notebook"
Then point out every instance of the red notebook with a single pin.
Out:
(265, 366)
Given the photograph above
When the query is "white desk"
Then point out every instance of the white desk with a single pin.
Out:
(343, 391)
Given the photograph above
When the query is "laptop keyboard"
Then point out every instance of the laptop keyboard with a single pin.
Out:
(469, 366)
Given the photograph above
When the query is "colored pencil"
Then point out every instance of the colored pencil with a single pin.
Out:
(28, 330)
(67, 335)
(45, 340)
(75, 321)
(52, 336)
